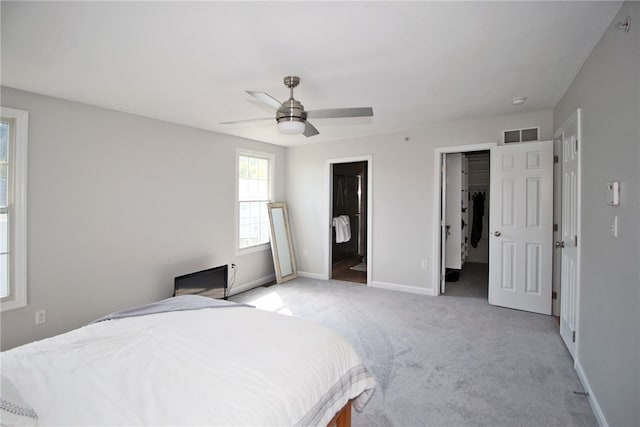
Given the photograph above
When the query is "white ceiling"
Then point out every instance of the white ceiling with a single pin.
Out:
(415, 63)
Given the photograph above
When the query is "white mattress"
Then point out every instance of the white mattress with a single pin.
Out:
(223, 366)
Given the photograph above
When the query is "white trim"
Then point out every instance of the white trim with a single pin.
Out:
(437, 200)
(272, 167)
(316, 276)
(403, 288)
(593, 401)
(328, 197)
(557, 219)
(251, 285)
(19, 250)
(251, 249)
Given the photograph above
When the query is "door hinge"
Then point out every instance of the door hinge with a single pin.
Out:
(555, 227)
(556, 159)
(574, 336)
(576, 144)
(554, 295)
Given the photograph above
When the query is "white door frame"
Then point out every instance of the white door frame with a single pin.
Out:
(329, 207)
(437, 203)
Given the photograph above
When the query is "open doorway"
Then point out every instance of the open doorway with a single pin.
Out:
(467, 265)
(521, 223)
(466, 198)
(349, 213)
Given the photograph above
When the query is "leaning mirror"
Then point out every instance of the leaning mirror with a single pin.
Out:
(284, 261)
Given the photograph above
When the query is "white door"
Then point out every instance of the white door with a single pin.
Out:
(453, 213)
(521, 226)
(569, 137)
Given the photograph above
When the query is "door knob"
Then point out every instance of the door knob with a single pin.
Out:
(560, 244)
(497, 233)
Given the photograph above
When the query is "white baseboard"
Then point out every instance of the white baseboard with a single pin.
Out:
(253, 284)
(316, 276)
(597, 411)
(403, 288)
(374, 284)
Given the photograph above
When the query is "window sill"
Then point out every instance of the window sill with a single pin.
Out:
(12, 304)
(253, 249)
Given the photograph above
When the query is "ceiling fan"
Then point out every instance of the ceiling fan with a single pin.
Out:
(291, 116)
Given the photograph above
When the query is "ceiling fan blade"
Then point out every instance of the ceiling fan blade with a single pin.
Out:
(309, 130)
(246, 120)
(266, 99)
(340, 112)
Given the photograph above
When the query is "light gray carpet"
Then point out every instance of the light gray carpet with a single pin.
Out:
(443, 361)
(473, 282)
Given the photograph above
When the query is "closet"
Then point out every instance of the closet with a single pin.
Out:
(466, 211)
(478, 180)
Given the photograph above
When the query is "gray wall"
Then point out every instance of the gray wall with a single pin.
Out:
(608, 345)
(402, 176)
(117, 206)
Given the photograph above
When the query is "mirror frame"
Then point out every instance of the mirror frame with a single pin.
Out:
(276, 244)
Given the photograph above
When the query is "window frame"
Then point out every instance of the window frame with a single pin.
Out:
(17, 207)
(272, 161)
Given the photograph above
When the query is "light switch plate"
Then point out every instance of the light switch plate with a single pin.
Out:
(613, 193)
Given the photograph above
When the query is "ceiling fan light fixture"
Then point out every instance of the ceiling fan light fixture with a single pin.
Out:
(291, 126)
(291, 117)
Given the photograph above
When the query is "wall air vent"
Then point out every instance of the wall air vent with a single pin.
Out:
(520, 135)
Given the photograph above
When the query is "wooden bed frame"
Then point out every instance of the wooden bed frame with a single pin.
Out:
(342, 418)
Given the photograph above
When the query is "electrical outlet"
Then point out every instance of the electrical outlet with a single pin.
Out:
(41, 317)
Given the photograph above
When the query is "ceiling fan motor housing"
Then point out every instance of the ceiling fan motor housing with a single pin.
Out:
(292, 111)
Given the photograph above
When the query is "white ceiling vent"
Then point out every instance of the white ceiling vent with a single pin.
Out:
(520, 135)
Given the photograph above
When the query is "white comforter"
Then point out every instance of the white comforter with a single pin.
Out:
(224, 366)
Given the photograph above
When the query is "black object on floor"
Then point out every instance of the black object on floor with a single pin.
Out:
(451, 275)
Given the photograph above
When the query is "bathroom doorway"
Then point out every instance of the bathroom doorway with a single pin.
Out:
(349, 221)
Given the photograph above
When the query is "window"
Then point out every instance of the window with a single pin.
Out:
(13, 212)
(254, 192)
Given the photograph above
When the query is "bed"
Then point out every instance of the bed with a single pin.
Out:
(188, 360)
